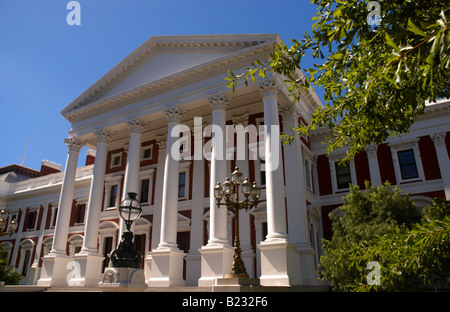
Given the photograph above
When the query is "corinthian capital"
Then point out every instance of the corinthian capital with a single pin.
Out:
(173, 113)
(103, 135)
(74, 144)
(135, 125)
(269, 87)
(438, 138)
(218, 102)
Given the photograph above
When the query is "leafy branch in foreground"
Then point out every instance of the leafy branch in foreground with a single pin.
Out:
(375, 79)
(416, 259)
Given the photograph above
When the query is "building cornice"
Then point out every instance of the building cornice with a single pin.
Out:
(242, 52)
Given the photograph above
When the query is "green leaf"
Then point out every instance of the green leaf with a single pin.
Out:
(391, 43)
(415, 29)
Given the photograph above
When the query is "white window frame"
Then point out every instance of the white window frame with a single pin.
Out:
(112, 165)
(74, 242)
(54, 215)
(399, 146)
(27, 244)
(32, 209)
(143, 149)
(83, 202)
(144, 175)
(308, 165)
(6, 248)
(333, 160)
(184, 167)
(110, 181)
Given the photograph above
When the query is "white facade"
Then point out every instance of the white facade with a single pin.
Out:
(127, 117)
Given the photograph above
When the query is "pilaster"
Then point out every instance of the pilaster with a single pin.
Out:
(443, 159)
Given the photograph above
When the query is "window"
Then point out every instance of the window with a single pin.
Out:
(116, 160)
(54, 215)
(32, 216)
(262, 168)
(113, 195)
(80, 211)
(146, 152)
(145, 190)
(343, 176)
(407, 162)
(308, 174)
(182, 185)
(26, 262)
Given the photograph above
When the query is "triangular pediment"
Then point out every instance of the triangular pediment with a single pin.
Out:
(162, 64)
(163, 57)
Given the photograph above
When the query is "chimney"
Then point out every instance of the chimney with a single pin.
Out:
(90, 157)
(49, 167)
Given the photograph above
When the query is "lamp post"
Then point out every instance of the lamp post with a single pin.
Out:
(126, 255)
(226, 192)
(4, 221)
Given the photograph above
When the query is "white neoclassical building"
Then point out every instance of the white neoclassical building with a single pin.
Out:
(131, 120)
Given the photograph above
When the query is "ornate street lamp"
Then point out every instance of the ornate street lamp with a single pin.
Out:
(226, 192)
(126, 255)
(4, 221)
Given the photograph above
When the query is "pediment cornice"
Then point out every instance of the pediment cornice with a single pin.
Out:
(240, 52)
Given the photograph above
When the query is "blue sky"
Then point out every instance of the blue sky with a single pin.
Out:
(45, 63)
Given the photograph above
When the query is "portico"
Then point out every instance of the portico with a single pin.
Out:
(132, 111)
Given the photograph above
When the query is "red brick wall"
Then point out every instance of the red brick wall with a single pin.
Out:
(386, 164)
(324, 175)
(428, 155)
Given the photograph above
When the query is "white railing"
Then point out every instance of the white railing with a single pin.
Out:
(49, 180)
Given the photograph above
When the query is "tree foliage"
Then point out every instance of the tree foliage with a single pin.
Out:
(381, 225)
(376, 79)
(7, 273)
(365, 214)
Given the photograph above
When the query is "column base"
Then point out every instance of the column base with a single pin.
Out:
(280, 263)
(56, 271)
(166, 268)
(216, 261)
(307, 265)
(193, 268)
(90, 270)
(123, 280)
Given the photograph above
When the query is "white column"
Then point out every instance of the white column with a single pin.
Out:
(296, 199)
(193, 259)
(218, 216)
(276, 212)
(96, 194)
(54, 270)
(131, 178)
(279, 257)
(89, 258)
(443, 159)
(156, 226)
(375, 177)
(167, 259)
(217, 254)
(66, 198)
(169, 211)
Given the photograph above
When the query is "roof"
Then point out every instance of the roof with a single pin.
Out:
(17, 173)
(141, 71)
